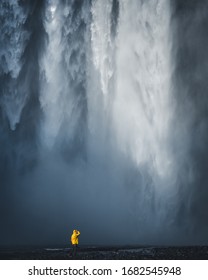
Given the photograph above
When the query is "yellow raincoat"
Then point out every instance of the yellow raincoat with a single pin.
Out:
(74, 237)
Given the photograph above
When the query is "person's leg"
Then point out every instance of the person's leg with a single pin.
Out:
(74, 250)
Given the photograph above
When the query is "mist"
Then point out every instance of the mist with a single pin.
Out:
(103, 114)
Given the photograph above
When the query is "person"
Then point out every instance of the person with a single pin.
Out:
(75, 241)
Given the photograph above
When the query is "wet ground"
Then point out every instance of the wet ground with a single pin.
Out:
(108, 253)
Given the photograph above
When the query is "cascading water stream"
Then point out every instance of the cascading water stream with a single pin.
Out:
(63, 74)
(52, 73)
(142, 110)
(131, 87)
(143, 84)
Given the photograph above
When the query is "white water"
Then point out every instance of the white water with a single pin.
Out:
(130, 111)
(128, 93)
(142, 108)
(101, 42)
(53, 76)
(60, 75)
(138, 63)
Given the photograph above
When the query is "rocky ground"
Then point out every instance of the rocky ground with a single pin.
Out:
(108, 253)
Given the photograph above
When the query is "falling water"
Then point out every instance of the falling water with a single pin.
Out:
(62, 67)
(94, 102)
(128, 91)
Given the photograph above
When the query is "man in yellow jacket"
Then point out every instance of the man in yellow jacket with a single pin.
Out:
(75, 241)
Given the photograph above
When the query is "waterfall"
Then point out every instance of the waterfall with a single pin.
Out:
(143, 83)
(93, 131)
(142, 110)
(130, 91)
(63, 72)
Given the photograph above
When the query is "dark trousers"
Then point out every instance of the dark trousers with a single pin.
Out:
(74, 250)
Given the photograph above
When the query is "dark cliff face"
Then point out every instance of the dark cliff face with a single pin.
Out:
(190, 24)
(22, 41)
